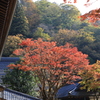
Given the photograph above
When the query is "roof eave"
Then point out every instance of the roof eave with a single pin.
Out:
(7, 23)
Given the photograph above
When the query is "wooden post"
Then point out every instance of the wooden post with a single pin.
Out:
(2, 93)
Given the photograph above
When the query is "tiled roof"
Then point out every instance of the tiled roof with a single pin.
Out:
(73, 90)
(4, 62)
(9, 59)
(64, 91)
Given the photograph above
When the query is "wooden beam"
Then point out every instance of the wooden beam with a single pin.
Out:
(7, 23)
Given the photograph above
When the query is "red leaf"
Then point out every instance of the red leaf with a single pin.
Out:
(65, 1)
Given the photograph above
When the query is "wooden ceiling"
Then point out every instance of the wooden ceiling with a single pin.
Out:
(7, 8)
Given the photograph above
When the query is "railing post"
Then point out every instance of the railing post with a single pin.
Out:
(2, 93)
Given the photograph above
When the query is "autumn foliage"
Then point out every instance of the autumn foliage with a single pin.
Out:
(74, 1)
(55, 66)
(92, 16)
(91, 79)
(70, 1)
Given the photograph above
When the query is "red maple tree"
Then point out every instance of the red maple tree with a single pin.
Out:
(55, 66)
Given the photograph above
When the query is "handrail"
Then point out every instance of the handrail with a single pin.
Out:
(15, 95)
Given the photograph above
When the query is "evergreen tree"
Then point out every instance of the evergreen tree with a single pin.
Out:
(39, 33)
(20, 81)
(20, 22)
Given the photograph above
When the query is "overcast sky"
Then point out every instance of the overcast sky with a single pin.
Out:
(80, 5)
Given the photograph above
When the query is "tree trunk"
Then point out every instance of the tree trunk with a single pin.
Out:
(48, 97)
(43, 95)
(52, 98)
(97, 98)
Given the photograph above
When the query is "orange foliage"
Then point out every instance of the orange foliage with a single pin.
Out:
(39, 55)
(69, 1)
(54, 66)
(65, 1)
(92, 16)
(75, 1)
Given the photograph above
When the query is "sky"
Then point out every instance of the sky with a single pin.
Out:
(80, 5)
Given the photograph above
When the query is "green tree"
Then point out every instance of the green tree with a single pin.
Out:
(42, 5)
(93, 50)
(40, 34)
(32, 13)
(48, 14)
(58, 17)
(19, 23)
(64, 35)
(85, 38)
(51, 14)
(19, 80)
(96, 30)
(11, 44)
(91, 47)
(77, 38)
(69, 17)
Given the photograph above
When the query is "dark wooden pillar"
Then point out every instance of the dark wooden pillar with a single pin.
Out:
(7, 8)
